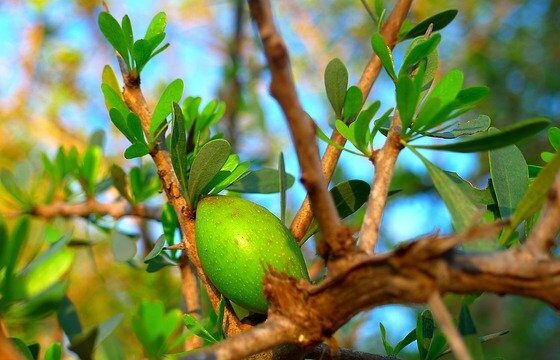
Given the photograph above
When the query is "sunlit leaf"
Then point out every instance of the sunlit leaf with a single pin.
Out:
(112, 31)
(157, 25)
(384, 54)
(178, 147)
(352, 103)
(136, 150)
(171, 94)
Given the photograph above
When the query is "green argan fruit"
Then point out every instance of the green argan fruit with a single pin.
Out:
(237, 241)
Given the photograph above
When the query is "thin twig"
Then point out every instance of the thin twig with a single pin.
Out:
(445, 322)
(543, 239)
(390, 30)
(384, 161)
(336, 239)
(92, 206)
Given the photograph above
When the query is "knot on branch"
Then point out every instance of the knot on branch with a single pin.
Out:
(288, 298)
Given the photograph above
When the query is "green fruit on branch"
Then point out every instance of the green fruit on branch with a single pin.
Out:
(237, 242)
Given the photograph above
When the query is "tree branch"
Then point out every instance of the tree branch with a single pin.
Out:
(135, 101)
(384, 162)
(390, 30)
(336, 238)
(445, 322)
(116, 210)
(305, 314)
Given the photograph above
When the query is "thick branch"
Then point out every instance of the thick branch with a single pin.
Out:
(390, 30)
(384, 162)
(135, 100)
(116, 210)
(409, 275)
(336, 239)
(543, 238)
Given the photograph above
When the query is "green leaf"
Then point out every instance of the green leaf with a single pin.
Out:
(348, 197)
(68, 319)
(141, 54)
(460, 206)
(437, 346)
(469, 334)
(11, 255)
(282, 179)
(126, 26)
(157, 25)
(408, 339)
(419, 51)
(41, 305)
(159, 262)
(352, 103)
(179, 146)
(206, 164)
(169, 223)
(407, 99)
(171, 94)
(122, 246)
(360, 127)
(47, 269)
(424, 332)
(386, 344)
(135, 126)
(120, 123)
(136, 150)
(534, 197)
(113, 99)
(345, 131)
(262, 181)
(11, 185)
(156, 250)
(336, 82)
(112, 31)
(54, 352)
(230, 177)
(109, 78)
(439, 21)
(510, 177)
(384, 54)
(90, 168)
(507, 136)
(22, 348)
(440, 98)
(120, 181)
(197, 328)
(554, 137)
(464, 128)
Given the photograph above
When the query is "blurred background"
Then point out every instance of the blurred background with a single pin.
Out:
(51, 59)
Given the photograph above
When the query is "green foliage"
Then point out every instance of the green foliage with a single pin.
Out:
(157, 330)
(349, 196)
(336, 82)
(437, 21)
(381, 49)
(171, 94)
(135, 54)
(509, 135)
(262, 181)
